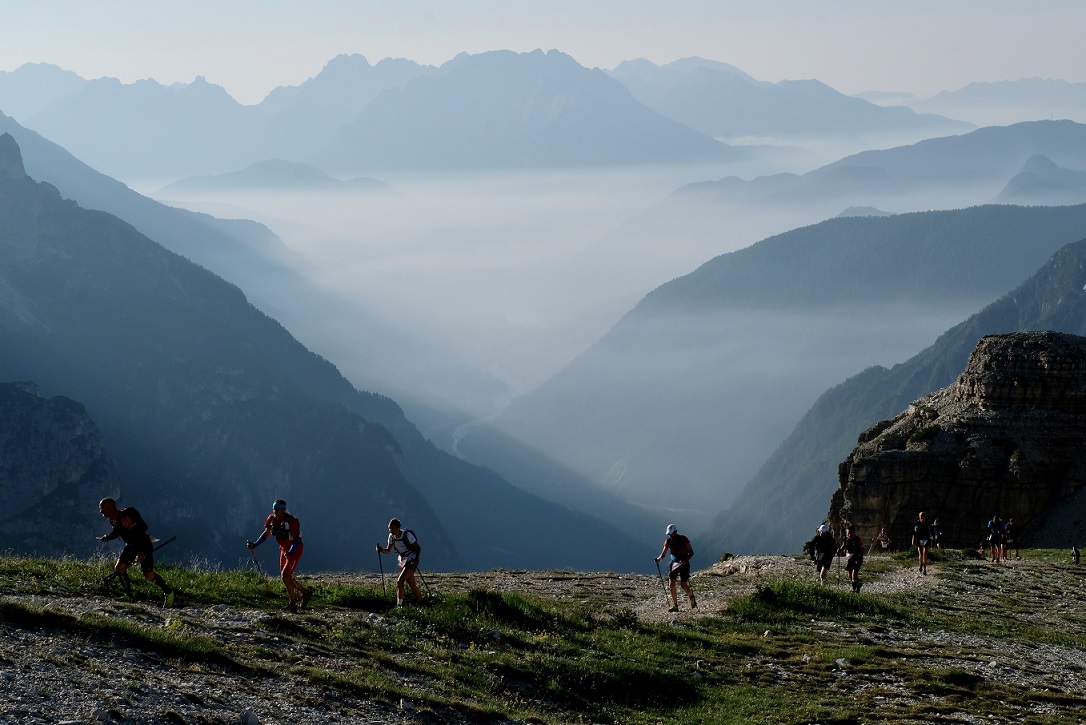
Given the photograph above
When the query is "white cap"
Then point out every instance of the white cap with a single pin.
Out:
(823, 529)
(671, 529)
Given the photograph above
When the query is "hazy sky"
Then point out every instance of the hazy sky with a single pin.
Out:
(251, 46)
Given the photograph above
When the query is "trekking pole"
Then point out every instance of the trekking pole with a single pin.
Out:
(667, 597)
(260, 571)
(423, 580)
(108, 580)
(424, 584)
(381, 564)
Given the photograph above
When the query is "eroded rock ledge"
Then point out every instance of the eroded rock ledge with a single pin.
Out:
(1008, 437)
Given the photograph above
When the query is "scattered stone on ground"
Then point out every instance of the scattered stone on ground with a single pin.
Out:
(48, 677)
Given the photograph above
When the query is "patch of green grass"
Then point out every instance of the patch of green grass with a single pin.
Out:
(793, 651)
(790, 600)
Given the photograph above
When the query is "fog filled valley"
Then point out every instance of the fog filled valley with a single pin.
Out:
(476, 289)
(610, 325)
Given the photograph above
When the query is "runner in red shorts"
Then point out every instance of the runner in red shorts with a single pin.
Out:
(286, 530)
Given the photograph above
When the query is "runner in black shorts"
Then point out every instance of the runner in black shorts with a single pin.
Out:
(130, 527)
(922, 540)
(681, 552)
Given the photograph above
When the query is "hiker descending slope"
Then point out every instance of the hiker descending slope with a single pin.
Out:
(922, 540)
(681, 553)
(406, 545)
(130, 527)
(852, 546)
(287, 532)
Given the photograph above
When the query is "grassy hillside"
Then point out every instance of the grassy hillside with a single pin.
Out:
(973, 642)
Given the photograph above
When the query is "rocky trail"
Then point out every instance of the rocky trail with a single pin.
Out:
(49, 676)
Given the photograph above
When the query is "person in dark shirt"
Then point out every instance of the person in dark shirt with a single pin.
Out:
(129, 527)
(997, 532)
(823, 549)
(852, 546)
(1012, 540)
(922, 540)
(681, 552)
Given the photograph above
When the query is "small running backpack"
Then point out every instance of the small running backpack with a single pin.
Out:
(412, 545)
(681, 547)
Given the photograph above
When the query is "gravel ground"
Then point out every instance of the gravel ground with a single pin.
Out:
(51, 678)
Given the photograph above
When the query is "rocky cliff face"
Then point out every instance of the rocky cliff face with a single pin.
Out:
(53, 472)
(1008, 437)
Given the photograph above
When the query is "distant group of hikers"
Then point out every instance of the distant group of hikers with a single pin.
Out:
(1001, 536)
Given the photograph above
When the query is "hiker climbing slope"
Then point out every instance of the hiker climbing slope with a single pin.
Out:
(130, 528)
(286, 530)
(681, 553)
(406, 545)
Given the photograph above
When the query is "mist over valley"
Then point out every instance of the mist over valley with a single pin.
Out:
(600, 286)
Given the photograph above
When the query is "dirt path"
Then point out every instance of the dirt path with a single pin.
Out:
(646, 595)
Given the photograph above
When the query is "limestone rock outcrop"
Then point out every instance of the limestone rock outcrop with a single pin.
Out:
(53, 472)
(1008, 437)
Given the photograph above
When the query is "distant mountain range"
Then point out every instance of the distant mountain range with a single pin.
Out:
(271, 175)
(698, 221)
(780, 506)
(1001, 103)
(721, 101)
(508, 110)
(210, 409)
(490, 110)
(985, 158)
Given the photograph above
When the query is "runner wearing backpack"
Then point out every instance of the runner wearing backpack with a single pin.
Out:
(283, 526)
(406, 546)
(681, 553)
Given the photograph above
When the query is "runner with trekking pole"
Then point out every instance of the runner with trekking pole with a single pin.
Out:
(285, 529)
(130, 527)
(681, 553)
(406, 545)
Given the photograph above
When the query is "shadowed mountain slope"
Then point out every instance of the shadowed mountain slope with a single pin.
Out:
(694, 388)
(780, 506)
(211, 409)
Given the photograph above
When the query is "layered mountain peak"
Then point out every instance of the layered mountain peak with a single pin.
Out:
(1005, 438)
(11, 159)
